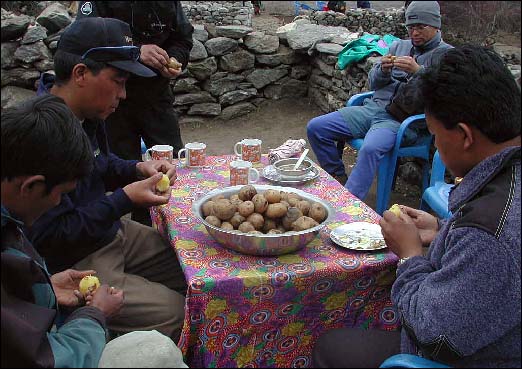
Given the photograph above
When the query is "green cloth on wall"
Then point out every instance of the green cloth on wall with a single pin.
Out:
(359, 49)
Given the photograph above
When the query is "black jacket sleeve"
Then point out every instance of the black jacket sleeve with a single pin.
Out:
(179, 42)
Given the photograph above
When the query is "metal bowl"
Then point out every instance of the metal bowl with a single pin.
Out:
(285, 167)
(261, 244)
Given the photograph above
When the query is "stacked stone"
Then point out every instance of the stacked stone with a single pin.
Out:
(368, 20)
(219, 12)
(233, 72)
(27, 45)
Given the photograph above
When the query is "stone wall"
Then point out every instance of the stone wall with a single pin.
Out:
(232, 69)
(219, 13)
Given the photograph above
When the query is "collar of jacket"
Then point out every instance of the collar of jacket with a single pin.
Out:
(479, 176)
(8, 218)
(431, 44)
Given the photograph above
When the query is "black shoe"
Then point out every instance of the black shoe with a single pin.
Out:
(340, 178)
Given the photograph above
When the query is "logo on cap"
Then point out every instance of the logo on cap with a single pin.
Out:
(86, 8)
(128, 39)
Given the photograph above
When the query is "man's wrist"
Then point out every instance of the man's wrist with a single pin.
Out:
(139, 172)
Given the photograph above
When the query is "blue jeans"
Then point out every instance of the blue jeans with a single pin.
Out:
(370, 121)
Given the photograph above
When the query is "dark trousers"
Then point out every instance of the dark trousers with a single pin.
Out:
(147, 112)
(355, 348)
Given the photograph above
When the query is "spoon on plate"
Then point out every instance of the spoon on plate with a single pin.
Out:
(301, 158)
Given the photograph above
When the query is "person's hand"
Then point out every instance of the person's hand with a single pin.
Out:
(407, 64)
(66, 286)
(154, 56)
(401, 234)
(426, 223)
(387, 63)
(108, 299)
(144, 193)
(170, 73)
(146, 169)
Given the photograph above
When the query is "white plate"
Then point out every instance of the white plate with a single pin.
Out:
(270, 173)
(359, 236)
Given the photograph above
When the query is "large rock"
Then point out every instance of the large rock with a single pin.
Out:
(198, 51)
(55, 17)
(284, 55)
(218, 87)
(237, 61)
(260, 43)
(20, 77)
(207, 109)
(236, 96)
(303, 36)
(8, 50)
(188, 84)
(13, 26)
(12, 95)
(237, 110)
(34, 33)
(32, 52)
(262, 77)
(220, 46)
(193, 98)
(204, 69)
(235, 31)
(200, 33)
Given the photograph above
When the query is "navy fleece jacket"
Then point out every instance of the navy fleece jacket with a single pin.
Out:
(86, 219)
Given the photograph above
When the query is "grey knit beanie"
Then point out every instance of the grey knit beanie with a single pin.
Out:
(423, 12)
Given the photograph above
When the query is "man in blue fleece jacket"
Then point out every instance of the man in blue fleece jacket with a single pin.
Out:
(459, 304)
(92, 63)
(376, 121)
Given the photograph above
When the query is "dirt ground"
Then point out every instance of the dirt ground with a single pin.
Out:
(274, 123)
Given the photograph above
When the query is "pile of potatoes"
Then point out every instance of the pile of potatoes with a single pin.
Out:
(271, 212)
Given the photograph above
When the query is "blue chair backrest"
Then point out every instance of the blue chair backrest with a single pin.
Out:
(438, 169)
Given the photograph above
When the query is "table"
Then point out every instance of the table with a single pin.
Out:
(251, 311)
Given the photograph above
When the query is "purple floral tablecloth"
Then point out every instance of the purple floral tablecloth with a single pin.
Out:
(251, 311)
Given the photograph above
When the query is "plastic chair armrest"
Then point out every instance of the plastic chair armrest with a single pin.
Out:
(358, 99)
(410, 361)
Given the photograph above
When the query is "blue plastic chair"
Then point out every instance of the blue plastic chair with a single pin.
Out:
(319, 5)
(410, 361)
(435, 197)
(387, 170)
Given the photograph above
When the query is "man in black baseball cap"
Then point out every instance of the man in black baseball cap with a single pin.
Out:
(104, 40)
(94, 59)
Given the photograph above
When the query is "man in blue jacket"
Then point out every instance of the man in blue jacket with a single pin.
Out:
(35, 173)
(373, 121)
(161, 30)
(459, 304)
(92, 63)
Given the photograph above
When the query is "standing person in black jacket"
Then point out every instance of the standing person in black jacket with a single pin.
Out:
(161, 30)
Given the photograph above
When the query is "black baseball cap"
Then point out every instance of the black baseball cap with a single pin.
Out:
(106, 40)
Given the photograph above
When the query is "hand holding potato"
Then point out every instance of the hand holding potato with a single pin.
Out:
(387, 63)
(108, 299)
(144, 193)
(401, 234)
(66, 286)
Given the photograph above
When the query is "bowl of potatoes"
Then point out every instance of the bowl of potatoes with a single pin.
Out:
(262, 219)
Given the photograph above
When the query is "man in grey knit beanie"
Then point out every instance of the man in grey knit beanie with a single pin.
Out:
(423, 12)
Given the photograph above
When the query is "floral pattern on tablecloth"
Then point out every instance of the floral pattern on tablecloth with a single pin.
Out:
(251, 311)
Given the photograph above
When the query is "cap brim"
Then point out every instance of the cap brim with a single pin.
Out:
(133, 67)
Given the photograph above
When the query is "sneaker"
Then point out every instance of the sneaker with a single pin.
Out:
(340, 178)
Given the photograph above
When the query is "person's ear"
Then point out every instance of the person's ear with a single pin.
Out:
(79, 74)
(32, 185)
(468, 136)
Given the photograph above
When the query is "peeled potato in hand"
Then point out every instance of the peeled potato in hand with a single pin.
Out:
(396, 209)
(174, 63)
(164, 184)
(89, 284)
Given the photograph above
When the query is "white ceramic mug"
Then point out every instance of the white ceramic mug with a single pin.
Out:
(160, 152)
(242, 173)
(195, 154)
(249, 149)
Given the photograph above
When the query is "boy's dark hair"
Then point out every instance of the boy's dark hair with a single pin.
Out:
(472, 85)
(42, 136)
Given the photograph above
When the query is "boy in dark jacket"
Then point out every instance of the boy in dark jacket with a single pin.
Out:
(459, 304)
(35, 173)
(92, 62)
